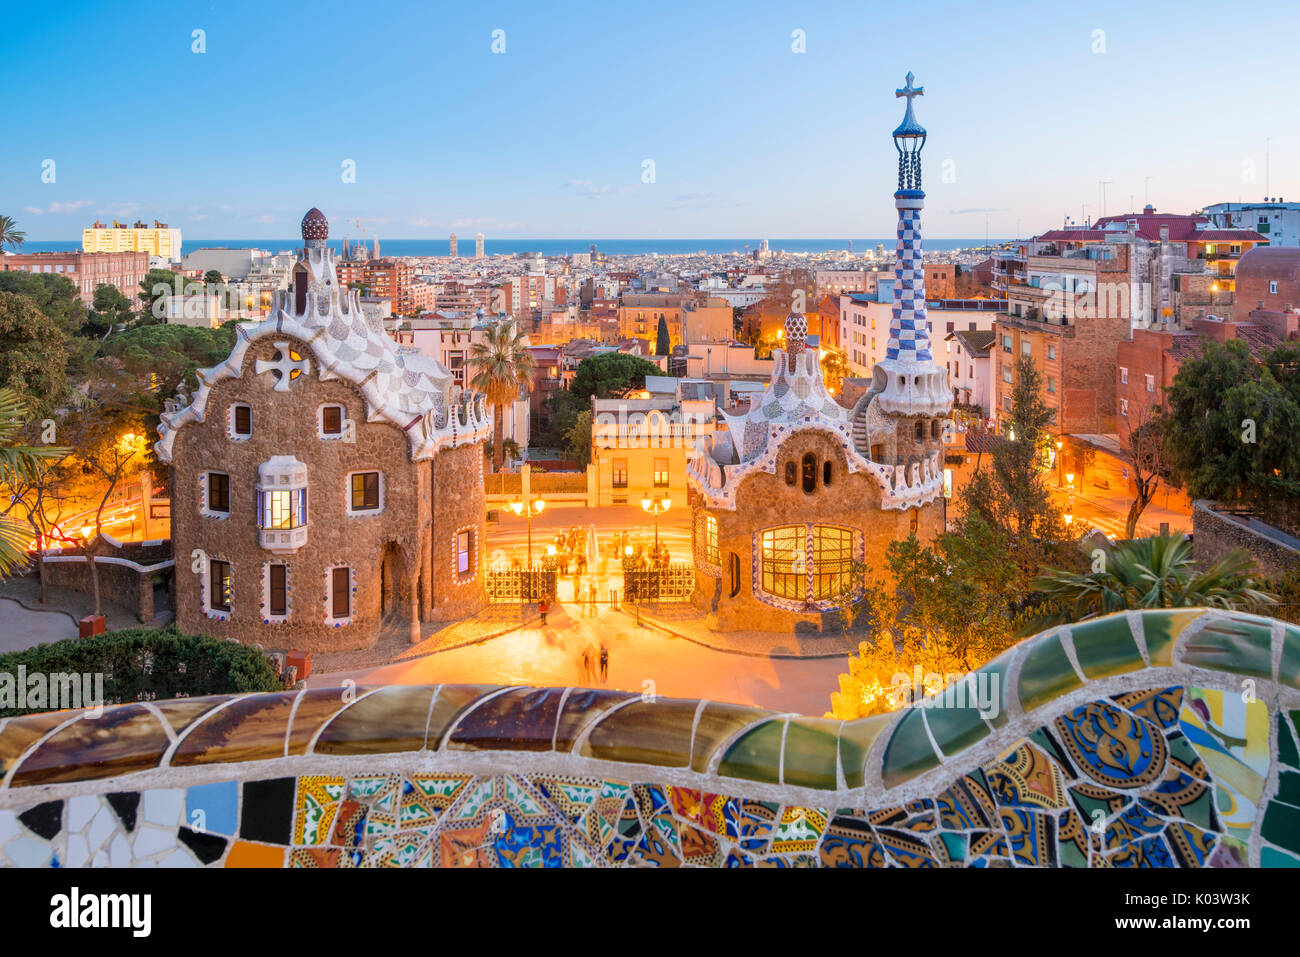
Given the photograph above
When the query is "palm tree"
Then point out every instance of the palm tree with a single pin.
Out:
(1155, 572)
(19, 464)
(10, 235)
(501, 365)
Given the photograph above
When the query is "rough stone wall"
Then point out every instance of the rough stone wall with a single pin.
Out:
(285, 423)
(119, 583)
(764, 501)
(1215, 535)
(458, 502)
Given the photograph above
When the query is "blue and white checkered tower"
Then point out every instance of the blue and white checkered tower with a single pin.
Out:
(907, 381)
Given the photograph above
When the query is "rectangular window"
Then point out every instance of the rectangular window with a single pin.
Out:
(219, 585)
(784, 561)
(1051, 352)
(278, 590)
(243, 423)
(1151, 383)
(1006, 343)
(218, 492)
(340, 593)
(661, 473)
(711, 553)
(1123, 406)
(365, 491)
(1051, 384)
(1026, 348)
(463, 552)
(282, 508)
(1123, 375)
(832, 560)
(1006, 374)
(1272, 287)
(332, 419)
(620, 473)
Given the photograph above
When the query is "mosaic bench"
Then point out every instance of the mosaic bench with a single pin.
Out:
(1155, 738)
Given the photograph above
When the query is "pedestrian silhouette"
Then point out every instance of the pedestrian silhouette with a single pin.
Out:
(604, 662)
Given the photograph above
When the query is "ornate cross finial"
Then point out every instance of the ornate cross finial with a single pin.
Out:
(288, 365)
(909, 91)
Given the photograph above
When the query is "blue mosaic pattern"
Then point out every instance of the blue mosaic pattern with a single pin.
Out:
(909, 330)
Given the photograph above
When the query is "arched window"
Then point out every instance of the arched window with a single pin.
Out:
(810, 473)
(789, 473)
(826, 473)
(920, 430)
(733, 564)
(934, 429)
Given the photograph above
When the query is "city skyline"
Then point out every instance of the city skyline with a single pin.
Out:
(523, 144)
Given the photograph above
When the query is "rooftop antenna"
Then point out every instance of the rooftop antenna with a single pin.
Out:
(1146, 191)
(1101, 188)
(1267, 141)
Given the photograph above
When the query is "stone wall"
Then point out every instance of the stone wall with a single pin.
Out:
(127, 574)
(1215, 534)
(1122, 741)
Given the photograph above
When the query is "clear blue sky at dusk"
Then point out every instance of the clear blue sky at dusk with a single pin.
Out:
(548, 139)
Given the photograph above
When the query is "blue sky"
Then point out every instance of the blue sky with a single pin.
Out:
(548, 139)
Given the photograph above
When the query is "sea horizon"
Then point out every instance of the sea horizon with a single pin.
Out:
(555, 247)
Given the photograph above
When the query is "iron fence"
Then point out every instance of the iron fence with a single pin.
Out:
(520, 585)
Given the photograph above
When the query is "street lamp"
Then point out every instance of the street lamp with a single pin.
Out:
(1060, 460)
(532, 507)
(656, 507)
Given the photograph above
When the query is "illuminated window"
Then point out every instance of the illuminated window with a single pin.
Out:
(784, 561)
(220, 588)
(832, 560)
(709, 534)
(364, 491)
(464, 553)
(620, 473)
(661, 473)
(282, 508)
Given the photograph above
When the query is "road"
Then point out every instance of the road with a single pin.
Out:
(640, 660)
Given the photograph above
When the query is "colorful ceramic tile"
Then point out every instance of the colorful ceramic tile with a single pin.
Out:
(756, 754)
(1105, 646)
(317, 803)
(1027, 777)
(909, 751)
(213, 808)
(122, 740)
(1239, 643)
(1231, 737)
(850, 842)
(1160, 707)
(1161, 629)
(811, 753)
(1046, 672)
(799, 829)
(1031, 836)
(1113, 747)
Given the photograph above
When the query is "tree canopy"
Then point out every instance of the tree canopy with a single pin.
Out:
(611, 375)
(33, 353)
(1230, 433)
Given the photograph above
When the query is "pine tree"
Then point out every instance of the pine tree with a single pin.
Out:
(663, 342)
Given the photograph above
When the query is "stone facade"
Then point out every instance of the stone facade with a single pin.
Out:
(1215, 534)
(387, 451)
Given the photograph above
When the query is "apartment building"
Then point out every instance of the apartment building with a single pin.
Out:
(87, 271)
(864, 323)
(157, 240)
(387, 278)
(1275, 219)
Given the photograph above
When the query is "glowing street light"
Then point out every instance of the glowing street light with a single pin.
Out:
(1060, 460)
(532, 507)
(656, 507)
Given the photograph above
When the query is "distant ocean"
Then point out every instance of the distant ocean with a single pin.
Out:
(555, 247)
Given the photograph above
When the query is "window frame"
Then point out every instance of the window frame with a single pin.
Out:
(212, 579)
(207, 508)
(332, 596)
(233, 424)
(351, 492)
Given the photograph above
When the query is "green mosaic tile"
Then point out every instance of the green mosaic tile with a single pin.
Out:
(1287, 751)
(449, 704)
(955, 845)
(756, 754)
(1240, 644)
(991, 685)
(1046, 673)
(581, 708)
(909, 751)
(390, 719)
(1161, 628)
(954, 728)
(1282, 826)
(646, 732)
(1272, 857)
(1288, 788)
(1289, 672)
(856, 739)
(1106, 647)
(718, 723)
(811, 753)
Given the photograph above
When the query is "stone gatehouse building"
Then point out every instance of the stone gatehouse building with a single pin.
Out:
(324, 480)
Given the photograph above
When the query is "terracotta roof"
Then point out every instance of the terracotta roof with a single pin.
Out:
(976, 342)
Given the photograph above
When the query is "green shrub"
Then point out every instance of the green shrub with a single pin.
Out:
(146, 664)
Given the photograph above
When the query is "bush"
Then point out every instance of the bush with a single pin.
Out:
(145, 664)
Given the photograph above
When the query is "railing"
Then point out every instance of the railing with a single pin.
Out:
(520, 586)
(667, 583)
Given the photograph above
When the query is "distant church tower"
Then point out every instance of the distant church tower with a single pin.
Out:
(453, 246)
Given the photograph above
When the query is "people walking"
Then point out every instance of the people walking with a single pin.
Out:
(604, 663)
(543, 608)
(586, 665)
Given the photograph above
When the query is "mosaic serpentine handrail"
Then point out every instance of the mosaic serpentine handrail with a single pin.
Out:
(1154, 737)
